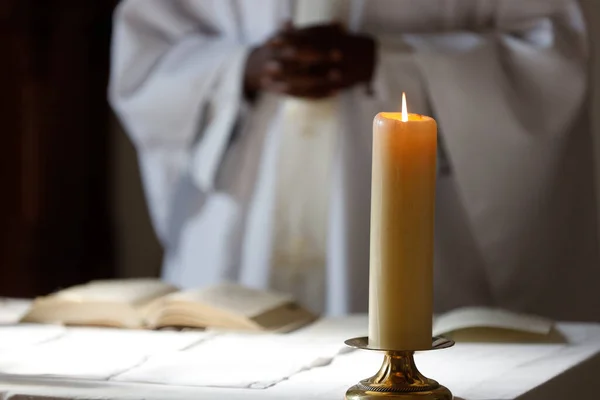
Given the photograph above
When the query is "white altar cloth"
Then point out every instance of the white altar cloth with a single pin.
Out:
(92, 363)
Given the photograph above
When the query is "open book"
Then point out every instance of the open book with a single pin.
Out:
(483, 324)
(150, 303)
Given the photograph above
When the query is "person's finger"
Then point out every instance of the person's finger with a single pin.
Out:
(302, 55)
(316, 93)
(335, 75)
(281, 36)
(273, 68)
(313, 36)
(301, 85)
(267, 82)
(313, 94)
(308, 55)
(276, 41)
(339, 26)
(336, 55)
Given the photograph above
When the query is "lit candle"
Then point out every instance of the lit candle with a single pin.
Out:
(402, 219)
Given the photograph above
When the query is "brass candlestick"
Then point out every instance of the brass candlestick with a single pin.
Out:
(398, 377)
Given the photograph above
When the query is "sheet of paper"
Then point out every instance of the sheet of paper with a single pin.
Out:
(255, 361)
(92, 353)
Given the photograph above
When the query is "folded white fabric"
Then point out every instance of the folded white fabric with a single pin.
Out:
(236, 361)
(92, 353)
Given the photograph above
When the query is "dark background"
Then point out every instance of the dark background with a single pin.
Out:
(54, 213)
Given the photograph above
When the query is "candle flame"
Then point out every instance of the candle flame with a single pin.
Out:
(404, 109)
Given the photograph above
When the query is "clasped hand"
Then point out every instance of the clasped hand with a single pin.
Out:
(313, 62)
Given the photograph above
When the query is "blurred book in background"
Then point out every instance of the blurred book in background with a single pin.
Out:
(150, 303)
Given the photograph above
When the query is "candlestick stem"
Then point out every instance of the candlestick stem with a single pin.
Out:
(399, 369)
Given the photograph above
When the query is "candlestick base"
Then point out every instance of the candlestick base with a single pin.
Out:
(398, 377)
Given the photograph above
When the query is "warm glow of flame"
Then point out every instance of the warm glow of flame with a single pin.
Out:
(404, 109)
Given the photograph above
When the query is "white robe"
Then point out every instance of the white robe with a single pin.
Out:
(505, 79)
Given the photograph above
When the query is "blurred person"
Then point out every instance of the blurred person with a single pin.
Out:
(200, 87)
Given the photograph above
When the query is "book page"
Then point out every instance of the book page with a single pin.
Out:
(239, 300)
(135, 292)
(490, 323)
